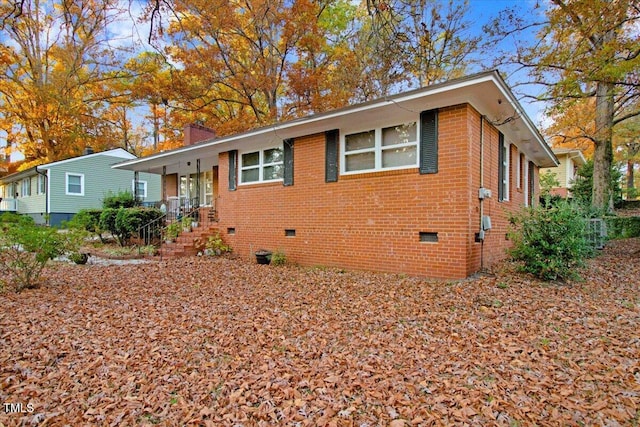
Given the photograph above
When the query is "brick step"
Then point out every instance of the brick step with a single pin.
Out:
(185, 243)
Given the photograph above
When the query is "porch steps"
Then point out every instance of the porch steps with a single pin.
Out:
(185, 244)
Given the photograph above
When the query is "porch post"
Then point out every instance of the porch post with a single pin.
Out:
(164, 183)
(198, 182)
(136, 177)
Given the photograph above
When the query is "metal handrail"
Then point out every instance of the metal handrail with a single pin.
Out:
(152, 230)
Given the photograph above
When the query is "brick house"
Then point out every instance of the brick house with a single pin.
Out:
(419, 182)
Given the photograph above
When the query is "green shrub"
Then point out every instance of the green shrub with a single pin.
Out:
(25, 249)
(550, 242)
(278, 258)
(123, 199)
(10, 218)
(623, 227)
(88, 219)
(123, 223)
(582, 185)
(215, 245)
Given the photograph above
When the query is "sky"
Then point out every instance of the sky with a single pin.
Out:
(128, 31)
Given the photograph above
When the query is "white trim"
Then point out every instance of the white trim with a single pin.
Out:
(66, 183)
(526, 181)
(119, 153)
(144, 186)
(378, 149)
(25, 184)
(260, 166)
(44, 182)
(506, 165)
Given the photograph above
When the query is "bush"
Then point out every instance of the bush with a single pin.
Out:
(124, 199)
(215, 246)
(11, 218)
(623, 227)
(550, 242)
(88, 219)
(25, 249)
(582, 185)
(122, 223)
(278, 258)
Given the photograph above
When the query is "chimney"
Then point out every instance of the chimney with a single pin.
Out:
(195, 132)
(87, 150)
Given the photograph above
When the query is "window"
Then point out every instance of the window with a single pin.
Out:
(42, 184)
(141, 191)
(503, 171)
(26, 187)
(262, 166)
(525, 179)
(394, 147)
(74, 184)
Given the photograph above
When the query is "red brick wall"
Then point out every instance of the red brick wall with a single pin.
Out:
(194, 133)
(372, 221)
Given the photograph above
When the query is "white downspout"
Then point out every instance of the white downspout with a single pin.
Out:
(481, 232)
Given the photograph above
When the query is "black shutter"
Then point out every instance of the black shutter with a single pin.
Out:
(331, 155)
(532, 183)
(500, 167)
(288, 162)
(233, 162)
(429, 142)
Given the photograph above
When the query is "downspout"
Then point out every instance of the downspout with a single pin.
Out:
(481, 232)
(46, 194)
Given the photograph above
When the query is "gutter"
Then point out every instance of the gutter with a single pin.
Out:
(46, 193)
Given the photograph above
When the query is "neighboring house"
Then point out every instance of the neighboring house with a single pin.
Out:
(58, 190)
(420, 183)
(570, 161)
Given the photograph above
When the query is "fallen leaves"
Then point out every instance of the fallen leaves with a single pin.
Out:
(219, 342)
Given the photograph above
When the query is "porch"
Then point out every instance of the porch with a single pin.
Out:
(9, 205)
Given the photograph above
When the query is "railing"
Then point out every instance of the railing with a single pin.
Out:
(9, 205)
(154, 232)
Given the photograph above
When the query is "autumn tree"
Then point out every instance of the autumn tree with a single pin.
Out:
(626, 143)
(585, 50)
(243, 64)
(56, 70)
(430, 39)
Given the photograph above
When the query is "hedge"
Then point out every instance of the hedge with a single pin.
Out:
(623, 227)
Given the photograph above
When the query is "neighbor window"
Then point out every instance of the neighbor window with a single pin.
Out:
(393, 147)
(262, 166)
(75, 184)
(26, 187)
(141, 188)
(42, 186)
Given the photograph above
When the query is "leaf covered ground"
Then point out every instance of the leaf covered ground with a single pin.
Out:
(226, 342)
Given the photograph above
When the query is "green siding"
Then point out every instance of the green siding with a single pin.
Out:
(99, 180)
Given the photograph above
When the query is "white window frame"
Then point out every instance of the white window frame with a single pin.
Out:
(378, 149)
(506, 163)
(526, 181)
(25, 187)
(142, 195)
(260, 166)
(66, 183)
(42, 188)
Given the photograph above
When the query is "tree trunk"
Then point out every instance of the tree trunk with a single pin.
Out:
(602, 196)
(630, 183)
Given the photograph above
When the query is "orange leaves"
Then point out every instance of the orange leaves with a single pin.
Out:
(218, 342)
